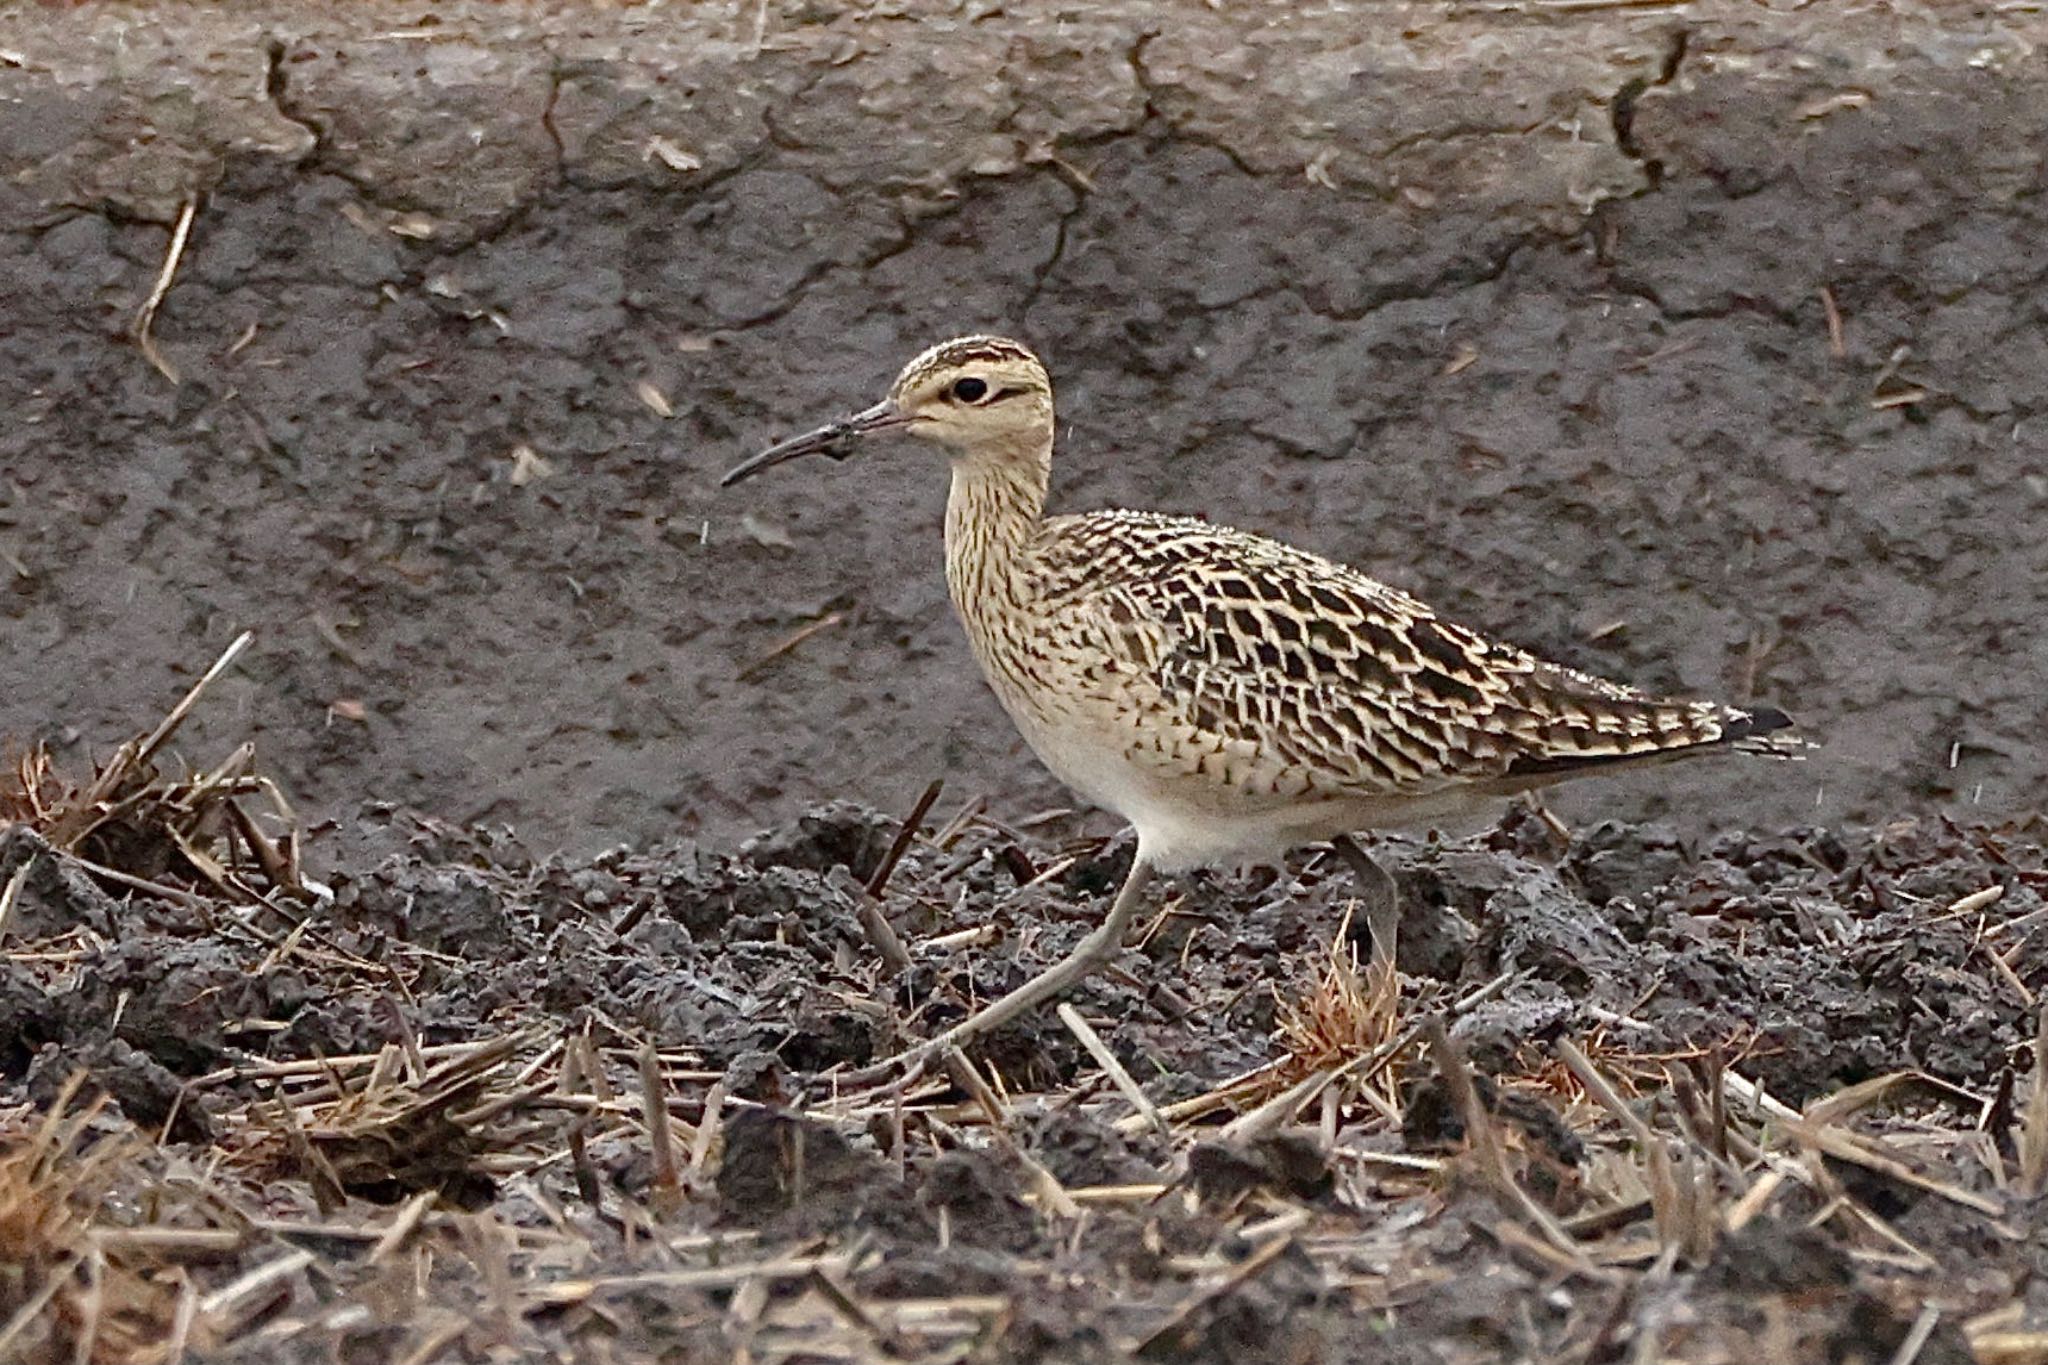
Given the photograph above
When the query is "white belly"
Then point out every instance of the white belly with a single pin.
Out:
(1185, 822)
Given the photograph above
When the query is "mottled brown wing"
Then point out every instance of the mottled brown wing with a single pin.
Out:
(1347, 685)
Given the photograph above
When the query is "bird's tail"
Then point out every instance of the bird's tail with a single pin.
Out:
(1764, 730)
(1761, 730)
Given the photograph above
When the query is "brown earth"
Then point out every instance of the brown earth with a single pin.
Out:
(1699, 345)
(498, 1197)
(1524, 310)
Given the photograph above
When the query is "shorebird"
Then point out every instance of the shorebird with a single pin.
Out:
(1232, 697)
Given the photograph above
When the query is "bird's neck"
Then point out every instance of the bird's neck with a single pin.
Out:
(992, 516)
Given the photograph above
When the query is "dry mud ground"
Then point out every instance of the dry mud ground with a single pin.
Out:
(479, 1106)
(1696, 344)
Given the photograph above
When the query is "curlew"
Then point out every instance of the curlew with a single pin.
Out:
(1231, 697)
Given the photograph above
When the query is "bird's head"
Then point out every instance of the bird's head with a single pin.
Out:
(981, 397)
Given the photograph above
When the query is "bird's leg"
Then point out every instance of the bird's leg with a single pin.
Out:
(1092, 952)
(1383, 898)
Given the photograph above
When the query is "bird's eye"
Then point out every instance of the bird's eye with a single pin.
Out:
(970, 390)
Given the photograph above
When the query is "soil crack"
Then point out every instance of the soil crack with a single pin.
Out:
(277, 87)
(1622, 108)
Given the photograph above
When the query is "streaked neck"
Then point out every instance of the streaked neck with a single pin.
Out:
(997, 502)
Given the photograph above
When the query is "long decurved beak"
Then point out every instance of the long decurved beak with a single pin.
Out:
(835, 441)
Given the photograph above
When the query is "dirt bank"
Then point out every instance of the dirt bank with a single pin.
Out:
(1527, 311)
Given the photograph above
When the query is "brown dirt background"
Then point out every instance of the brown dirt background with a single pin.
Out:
(1524, 307)
(502, 1203)
(1519, 309)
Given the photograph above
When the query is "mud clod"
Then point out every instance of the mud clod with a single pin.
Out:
(1284, 1163)
(56, 894)
(842, 834)
(775, 1164)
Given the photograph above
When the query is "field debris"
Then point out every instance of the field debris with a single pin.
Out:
(1777, 1097)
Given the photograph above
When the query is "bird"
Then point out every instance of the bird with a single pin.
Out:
(1230, 696)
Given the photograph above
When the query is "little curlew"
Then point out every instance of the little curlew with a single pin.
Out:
(1230, 696)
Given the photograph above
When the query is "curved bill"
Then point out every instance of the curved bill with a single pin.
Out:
(835, 441)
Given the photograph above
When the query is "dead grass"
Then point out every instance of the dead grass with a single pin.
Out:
(465, 1199)
(227, 832)
(70, 1286)
(1348, 1010)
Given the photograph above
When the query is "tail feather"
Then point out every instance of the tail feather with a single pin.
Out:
(1760, 730)
(1763, 730)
